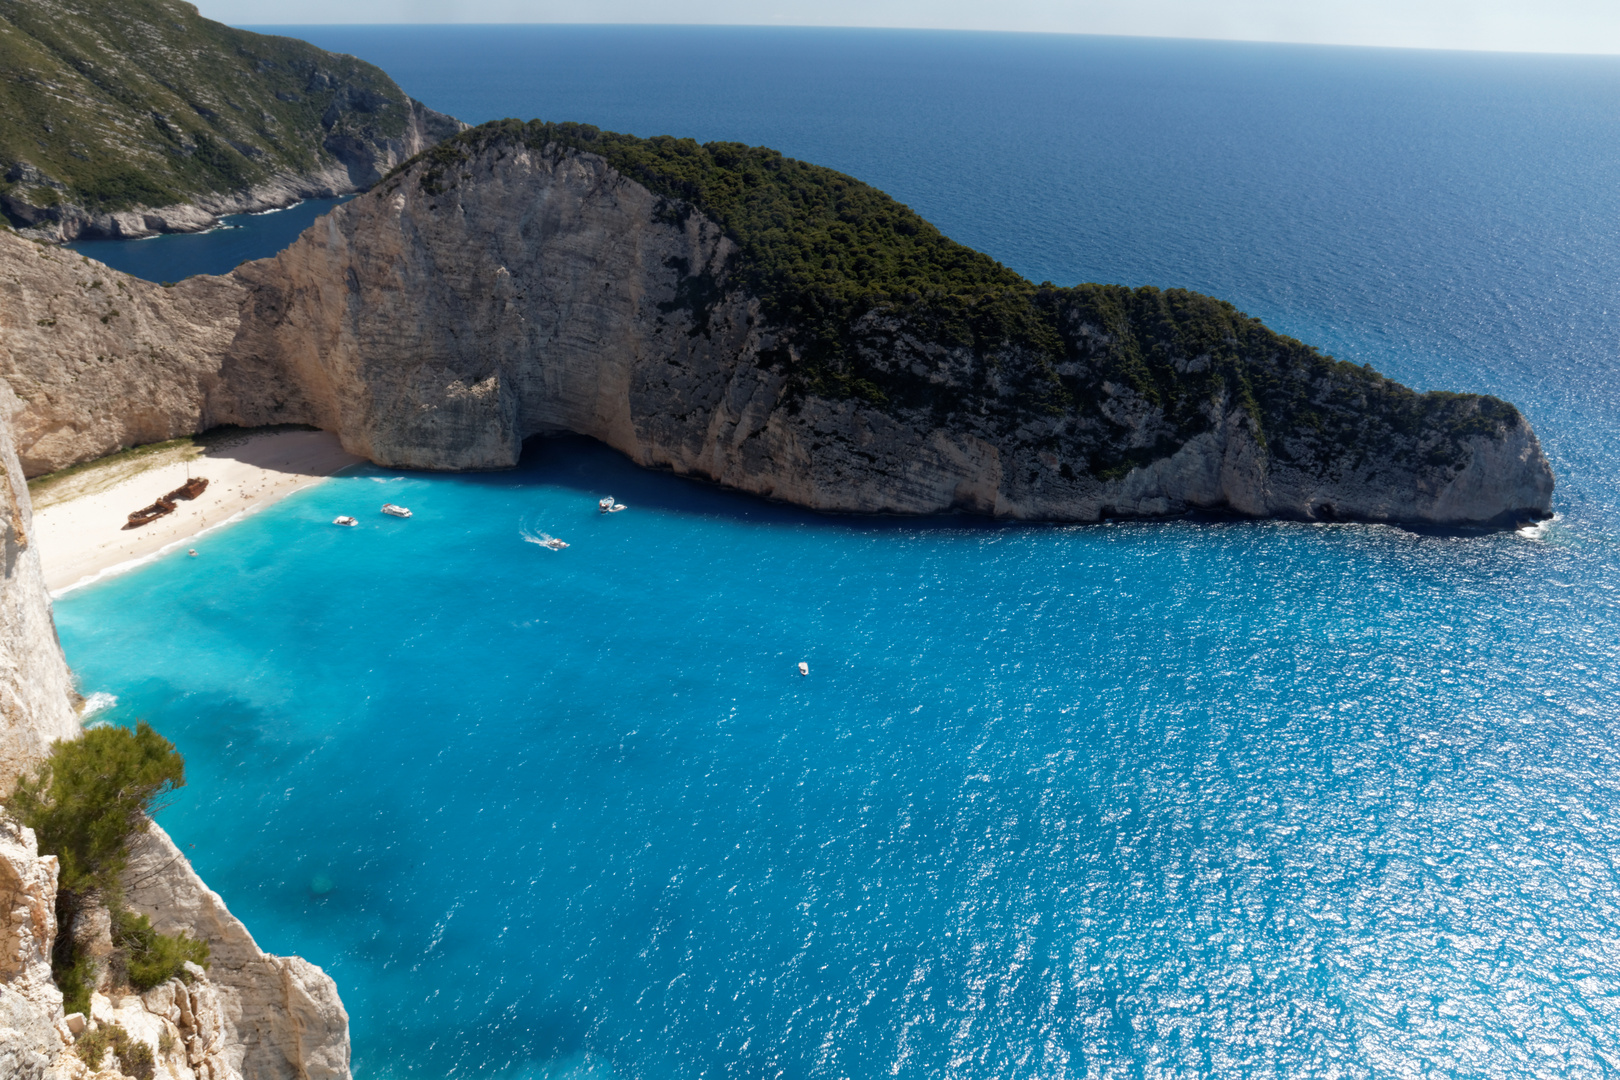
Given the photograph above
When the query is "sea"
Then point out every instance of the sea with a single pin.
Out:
(1155, 799)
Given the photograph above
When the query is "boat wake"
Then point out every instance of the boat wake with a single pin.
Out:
(545, 540)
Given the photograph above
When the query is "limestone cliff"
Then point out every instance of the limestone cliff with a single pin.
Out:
(278, 1017)
(513, 282)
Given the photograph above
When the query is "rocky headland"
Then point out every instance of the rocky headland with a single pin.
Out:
(137, 117)
(730, 314)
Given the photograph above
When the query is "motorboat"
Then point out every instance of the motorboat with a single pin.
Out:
(551, 543)
(396, 511)
(804, 668)
(344, 519)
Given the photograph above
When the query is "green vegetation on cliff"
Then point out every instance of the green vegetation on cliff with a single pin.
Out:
(85, 803)
(109, 104)
(873, 300)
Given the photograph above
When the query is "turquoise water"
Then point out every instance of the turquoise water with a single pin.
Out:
(1177, 799)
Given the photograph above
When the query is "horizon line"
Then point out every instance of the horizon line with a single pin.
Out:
(945, 30)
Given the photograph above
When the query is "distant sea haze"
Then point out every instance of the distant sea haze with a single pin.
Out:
(1188, 798)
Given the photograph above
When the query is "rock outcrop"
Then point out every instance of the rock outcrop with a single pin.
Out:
(264, 1017)
(136, 117)
(501, 288)
(102, 360)
(33, 1037)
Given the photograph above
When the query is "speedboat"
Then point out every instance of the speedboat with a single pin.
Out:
(552, 543)
(395, 511)
(804, 668)
(344, 519)
(605, 504)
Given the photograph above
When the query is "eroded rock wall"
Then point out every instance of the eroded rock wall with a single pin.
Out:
(442, 318)
(101, 360)
(32, 1038)
(437, 323)
(279, 1017)
(37, 699)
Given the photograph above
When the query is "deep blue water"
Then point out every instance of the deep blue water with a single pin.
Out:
(1177, 799)
(237, 239)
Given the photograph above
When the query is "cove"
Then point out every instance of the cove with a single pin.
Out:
(1193, 797)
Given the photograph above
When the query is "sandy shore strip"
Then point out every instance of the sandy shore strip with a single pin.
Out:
(79, 518)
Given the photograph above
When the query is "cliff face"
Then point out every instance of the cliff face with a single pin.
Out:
(522, 289)
(505, 290)
(136, 117)
(31, 1042)
(102, 360)
(278, 1017)
(36, 692)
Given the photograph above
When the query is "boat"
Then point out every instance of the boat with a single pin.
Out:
(395, 511)
(608, 506)
(148, 514)
(344, 519)
(804, 668)
(552, 543)
(190, 489)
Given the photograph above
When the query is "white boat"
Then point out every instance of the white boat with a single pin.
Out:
(605, 505)
(616, 508)
(344, 519)
(804, 668)
(396, 511)
(552, 543)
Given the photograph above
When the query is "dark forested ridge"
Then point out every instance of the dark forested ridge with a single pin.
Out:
(874, 301)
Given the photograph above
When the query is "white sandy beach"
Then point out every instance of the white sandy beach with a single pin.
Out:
(79, 522)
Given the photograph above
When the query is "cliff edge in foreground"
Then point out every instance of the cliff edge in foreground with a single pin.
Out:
(251, 1016)
(728, 313)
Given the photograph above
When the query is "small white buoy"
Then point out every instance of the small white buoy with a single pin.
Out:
(804, 668)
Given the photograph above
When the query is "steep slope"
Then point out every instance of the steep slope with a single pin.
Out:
(130, 117)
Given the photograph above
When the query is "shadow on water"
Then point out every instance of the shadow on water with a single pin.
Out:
(592, 468)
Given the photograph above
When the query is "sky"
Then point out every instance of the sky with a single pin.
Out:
(1577, 26)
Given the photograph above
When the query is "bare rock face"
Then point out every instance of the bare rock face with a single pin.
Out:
(444, 317)
(36, 693)
(102, 360)
(278, 1017)
(31, 1037)
(441, 319)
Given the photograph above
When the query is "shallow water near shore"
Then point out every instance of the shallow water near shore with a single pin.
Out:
(1189, 798)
